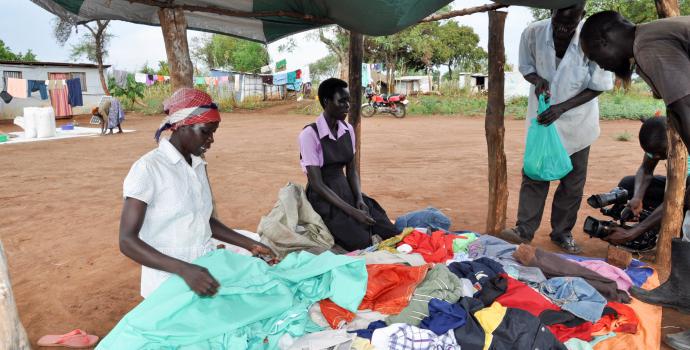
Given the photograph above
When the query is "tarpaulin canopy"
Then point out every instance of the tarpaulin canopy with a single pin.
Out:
(269, 20)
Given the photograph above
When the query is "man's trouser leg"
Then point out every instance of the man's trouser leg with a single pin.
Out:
(568, 197)
(531, 207)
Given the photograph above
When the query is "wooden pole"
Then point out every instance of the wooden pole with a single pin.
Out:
(667, 8)
(12, 333)
(672, 221)
(355, 83)
(174, 26)
(494, 127)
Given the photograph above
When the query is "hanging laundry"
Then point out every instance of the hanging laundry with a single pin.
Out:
(439, 283)
(207, 81)
(149, 79)
(56, 84)
(5, 96)
(60, 103)
(389, 289)
(199, 81)
(74, 96)
(267, 79)
(140, 78)
(291, 77)
(553, 265)
(298, 74)
(17, 87)
(160, 79)
(120, 77)
(224, 80)
(280, 79)
(266, 302)
(37, 85)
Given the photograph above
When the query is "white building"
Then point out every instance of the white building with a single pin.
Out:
(413, 84)
(515, 84)
(88, 73)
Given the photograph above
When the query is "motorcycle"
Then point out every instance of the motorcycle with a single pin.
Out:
(395, 104)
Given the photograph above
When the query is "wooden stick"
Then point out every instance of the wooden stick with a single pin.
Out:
(672, 221)
(494, 127)
(355, 84)
(463, 12)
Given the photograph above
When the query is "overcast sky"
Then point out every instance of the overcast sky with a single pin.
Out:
(134, 45)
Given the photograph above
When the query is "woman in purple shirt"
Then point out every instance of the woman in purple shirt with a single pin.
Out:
(326, 147)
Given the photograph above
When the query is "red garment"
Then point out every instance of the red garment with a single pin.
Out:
(520, 296)
(626, 322)
(389, 288)
(437, 248)
(564, 333)
(298, 74)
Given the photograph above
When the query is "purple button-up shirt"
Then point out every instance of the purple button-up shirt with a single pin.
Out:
(310, 142)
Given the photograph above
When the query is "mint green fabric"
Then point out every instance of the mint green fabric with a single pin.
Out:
(460, 244)
(254, 307)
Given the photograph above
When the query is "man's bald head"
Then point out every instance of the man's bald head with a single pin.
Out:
(607, 38)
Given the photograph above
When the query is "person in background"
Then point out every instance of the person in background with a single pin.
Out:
(326, 148)
(111, 114)
(660, 53)
(552, 61)
(166, 218)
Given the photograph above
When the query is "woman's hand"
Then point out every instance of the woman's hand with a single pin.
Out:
(362, 206)
(259, 249)
(199, 280)
(362, 216)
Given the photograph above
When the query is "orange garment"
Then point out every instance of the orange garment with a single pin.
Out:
(389, 289)
(437, 248)
(626, 322)
(161, 78)
(648, 334)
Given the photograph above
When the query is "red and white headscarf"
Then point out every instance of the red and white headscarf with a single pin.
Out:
(187, 106)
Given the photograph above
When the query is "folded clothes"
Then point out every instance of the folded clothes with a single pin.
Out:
(553, 265)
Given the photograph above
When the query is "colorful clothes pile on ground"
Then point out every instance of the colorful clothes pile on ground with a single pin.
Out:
(423, 289)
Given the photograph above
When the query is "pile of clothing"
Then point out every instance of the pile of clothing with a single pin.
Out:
(426, 288)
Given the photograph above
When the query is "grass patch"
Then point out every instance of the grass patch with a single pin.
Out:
(625, 136)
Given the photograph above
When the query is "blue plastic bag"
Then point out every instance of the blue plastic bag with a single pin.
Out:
(545, 157)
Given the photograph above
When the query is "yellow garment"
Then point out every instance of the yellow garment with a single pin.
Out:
(490, 318)
(648, 334)
(389, 244)
(361, 344)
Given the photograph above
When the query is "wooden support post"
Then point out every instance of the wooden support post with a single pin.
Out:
(672, 221)
(12, 333)
(667, 8)
(494, 127)
(355, 84)
(174, 26)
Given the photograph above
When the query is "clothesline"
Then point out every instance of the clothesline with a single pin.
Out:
(63, 93)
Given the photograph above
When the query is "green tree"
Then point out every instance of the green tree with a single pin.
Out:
(323, 68)
(131, 91)
(638, 11)
(226, 52)
(6, 54)
(163, 68)
(92, 44)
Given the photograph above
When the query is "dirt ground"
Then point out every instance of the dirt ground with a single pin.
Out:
(61, 200)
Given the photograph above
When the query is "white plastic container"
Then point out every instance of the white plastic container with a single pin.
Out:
(45, 122)
(27, 122)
